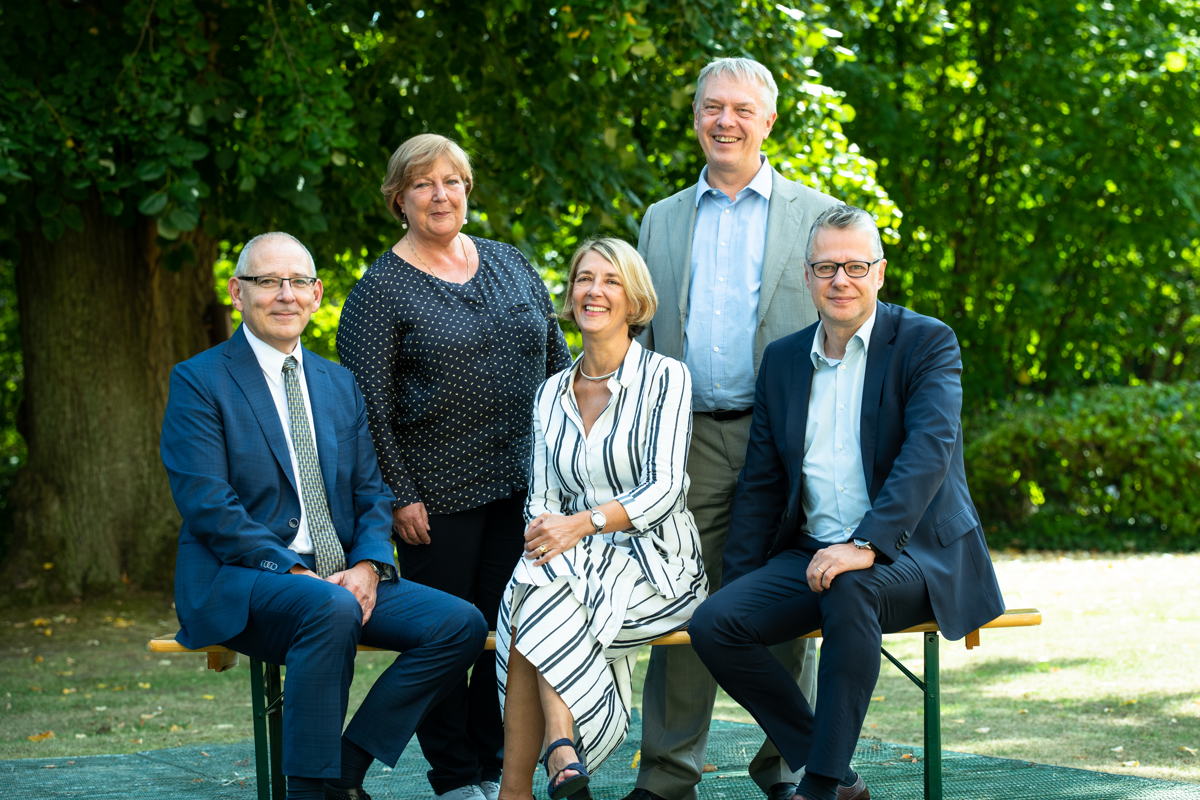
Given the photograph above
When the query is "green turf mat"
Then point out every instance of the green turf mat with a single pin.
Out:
(226, 772)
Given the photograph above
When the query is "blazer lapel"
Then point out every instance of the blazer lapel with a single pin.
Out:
(797, 416)
(784, 218)
(320, 396)
(679, 244)
(247, 373)
(879, 358)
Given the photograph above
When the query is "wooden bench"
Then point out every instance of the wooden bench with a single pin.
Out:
(266, 695)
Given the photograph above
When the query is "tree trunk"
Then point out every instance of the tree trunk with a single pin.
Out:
(102, 321)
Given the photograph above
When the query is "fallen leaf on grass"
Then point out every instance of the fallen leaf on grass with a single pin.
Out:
(1129, 702)
(1131, 763)
(879, 698)
(208, 696)
(41, 737)
(983, 730)
(69, 690)
(143, 685)
(1183, 748)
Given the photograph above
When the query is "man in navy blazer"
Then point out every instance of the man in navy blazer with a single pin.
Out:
(852, 513)
(234, 440)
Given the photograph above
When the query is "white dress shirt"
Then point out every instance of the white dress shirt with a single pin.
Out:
(271, 362)
(835, 485)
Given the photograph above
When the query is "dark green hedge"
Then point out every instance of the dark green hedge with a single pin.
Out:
(1107, 468)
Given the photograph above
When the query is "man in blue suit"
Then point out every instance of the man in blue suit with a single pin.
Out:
(285, 550)
(852, 513)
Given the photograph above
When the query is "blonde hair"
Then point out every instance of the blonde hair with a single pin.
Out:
(417, 155)
(634, 275)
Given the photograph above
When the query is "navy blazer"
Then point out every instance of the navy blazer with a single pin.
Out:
(231, 476)
(912, 454)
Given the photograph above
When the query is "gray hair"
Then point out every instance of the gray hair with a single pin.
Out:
(743, 70)
(841, 217)
(246, 257)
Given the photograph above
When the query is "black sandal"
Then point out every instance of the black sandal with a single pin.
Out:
(574, 787)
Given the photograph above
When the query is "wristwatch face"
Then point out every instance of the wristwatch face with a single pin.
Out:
(598, 520)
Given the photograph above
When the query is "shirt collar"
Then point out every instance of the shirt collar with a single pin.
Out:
(626, 373)
(761, 182)
(863, 334)
(270, 359)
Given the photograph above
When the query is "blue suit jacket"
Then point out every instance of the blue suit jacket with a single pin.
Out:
(227, 462)
(912, 454)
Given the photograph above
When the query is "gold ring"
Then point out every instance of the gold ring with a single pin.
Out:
(542, 549)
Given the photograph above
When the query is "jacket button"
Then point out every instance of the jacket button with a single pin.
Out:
(294, 523)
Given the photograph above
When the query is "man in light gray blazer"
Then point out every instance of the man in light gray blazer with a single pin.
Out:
(727, 258)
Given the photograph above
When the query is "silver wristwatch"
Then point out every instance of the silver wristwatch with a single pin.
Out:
(598, 520)
(862, 544)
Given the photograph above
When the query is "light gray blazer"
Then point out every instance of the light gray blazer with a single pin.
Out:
(784, 304)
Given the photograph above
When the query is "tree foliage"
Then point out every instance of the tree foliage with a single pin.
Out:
(137, 137)
(1043, 152)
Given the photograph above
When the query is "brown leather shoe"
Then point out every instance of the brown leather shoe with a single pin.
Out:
(858, 791)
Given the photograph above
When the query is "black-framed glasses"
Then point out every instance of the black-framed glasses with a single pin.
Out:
(853, 269)
(271, 282)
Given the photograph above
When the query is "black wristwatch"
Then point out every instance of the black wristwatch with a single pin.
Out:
(383, 571)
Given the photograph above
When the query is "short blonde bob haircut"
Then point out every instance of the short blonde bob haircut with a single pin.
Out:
(416, 156)
(634, 275)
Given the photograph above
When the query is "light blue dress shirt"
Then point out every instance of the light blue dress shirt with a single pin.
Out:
(835, 485)
(728, 242)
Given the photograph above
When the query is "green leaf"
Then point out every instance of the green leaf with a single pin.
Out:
(150, 170)
(153, 204)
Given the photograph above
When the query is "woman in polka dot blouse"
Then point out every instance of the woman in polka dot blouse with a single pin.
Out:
(449, 337)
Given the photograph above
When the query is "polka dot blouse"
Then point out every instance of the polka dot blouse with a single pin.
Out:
(449, 373)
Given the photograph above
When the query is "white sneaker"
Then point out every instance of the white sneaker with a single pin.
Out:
(469, 792)
(490, 789)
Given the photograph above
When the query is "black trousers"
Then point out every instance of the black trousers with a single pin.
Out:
(733, 629)
(471, 555)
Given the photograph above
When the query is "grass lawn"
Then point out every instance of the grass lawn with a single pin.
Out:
(1108, 682)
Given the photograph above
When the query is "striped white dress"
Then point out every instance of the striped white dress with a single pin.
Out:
(580, 618)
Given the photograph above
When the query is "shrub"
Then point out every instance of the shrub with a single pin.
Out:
(1108, 468)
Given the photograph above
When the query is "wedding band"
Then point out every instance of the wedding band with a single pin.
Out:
(542, 549)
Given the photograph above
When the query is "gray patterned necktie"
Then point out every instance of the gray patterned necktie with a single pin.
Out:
(327, 547)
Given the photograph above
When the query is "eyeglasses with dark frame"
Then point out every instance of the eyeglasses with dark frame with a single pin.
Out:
(271, 282)
(853, 269)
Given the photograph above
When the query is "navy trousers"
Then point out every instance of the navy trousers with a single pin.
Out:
(471, 555)
(312, 628)
(733, 629)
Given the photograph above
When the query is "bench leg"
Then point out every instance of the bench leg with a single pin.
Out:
(266, 704)
(275, 730)
(933, 719)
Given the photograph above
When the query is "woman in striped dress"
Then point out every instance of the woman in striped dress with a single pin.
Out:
(612, 557)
